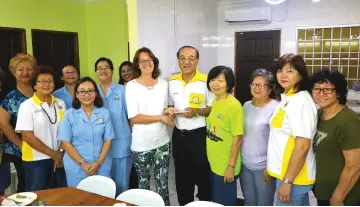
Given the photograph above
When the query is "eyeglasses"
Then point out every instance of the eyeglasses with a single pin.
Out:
(143, 62)
(83, 93)
(69, 73)
(43, 82)
(190, 60)
(103, 69)
(260, 86)
(325, 90)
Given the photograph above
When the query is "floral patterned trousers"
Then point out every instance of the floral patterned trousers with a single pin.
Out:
(158, 158)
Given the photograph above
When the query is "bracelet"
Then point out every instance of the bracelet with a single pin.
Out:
(231, 166)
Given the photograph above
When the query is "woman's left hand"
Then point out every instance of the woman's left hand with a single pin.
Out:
(229, 175)
(94, 167)
(284, 192)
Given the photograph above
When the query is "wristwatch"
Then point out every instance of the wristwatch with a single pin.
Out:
(287, 181)
(81, 161)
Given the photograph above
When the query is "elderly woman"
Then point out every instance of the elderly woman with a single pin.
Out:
(87, 112)
(22, 67)
(147, 99)
(70, 76)
(257, 186)
(290, 158)
(337, 142)
(125, 72)
(38, 121)
(224, 135)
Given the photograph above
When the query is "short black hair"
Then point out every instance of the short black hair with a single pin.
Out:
(42, 69)
(334, 77)
(98, 100)
(229, 76)
(297, 62)
(106, 60)
(127, 63)
(188, 46)
(68, 65)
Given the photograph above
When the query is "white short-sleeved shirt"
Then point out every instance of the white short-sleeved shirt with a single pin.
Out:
(152, 102)
(194, 94)
(295, 116)
(34, 116)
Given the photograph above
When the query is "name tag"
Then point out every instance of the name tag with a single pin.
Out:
(100, 121)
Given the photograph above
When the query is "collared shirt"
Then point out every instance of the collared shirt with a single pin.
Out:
(36, 116)
(64, 94)
(87, 136)
(295, 116)
(192, 94)
(11, 104)
(114, 101)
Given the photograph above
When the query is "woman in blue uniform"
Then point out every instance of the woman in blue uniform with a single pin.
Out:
(86, 133)
(113, 96)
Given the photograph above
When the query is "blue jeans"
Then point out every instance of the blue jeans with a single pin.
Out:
(223, 193)
(5, 177)
(38, 174)
(299, 195)
(255, 191)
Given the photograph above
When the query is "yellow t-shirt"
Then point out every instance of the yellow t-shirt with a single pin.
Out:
(224, 122)
(295, 116)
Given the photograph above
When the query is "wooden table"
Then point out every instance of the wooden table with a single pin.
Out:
(69, 196)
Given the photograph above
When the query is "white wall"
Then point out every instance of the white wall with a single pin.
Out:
(287, 17)
(166, 25)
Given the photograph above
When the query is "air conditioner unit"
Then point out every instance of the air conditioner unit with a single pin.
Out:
(249, 15)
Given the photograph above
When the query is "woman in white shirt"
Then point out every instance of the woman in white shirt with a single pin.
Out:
(38, 122)
(290, 158)
(147, 100)
(256, 185)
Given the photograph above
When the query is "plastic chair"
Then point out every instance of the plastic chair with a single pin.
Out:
(141, 197)
(203, 203)
(98, 184)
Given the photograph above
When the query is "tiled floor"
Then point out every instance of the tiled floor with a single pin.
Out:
(173, 195)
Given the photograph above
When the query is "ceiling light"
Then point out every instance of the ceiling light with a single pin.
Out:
(274, 1)
(315, 1)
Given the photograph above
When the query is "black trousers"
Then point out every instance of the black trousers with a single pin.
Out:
(191, 165)
(133, 182)
(19, 170)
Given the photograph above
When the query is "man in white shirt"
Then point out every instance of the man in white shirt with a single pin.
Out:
(189, 95)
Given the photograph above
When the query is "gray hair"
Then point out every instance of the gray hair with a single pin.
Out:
(266, 74)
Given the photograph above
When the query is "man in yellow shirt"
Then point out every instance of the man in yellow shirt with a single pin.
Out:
(189, 95)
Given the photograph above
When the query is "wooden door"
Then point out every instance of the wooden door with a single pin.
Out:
(12, 42)
(254, 50)
(56, 49)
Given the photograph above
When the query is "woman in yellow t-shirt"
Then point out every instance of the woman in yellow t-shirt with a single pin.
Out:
(290, 158)
(224, 135)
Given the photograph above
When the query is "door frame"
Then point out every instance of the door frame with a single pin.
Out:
(249, 30)
(75, 38)
(22, 36)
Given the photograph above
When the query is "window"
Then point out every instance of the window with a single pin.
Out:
(336, 48)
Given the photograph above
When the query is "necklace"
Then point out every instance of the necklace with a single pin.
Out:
(148, 87)
(49, 116)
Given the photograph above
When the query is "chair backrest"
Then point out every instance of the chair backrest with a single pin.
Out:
(203, 203)
(98, 184)
(141, 197)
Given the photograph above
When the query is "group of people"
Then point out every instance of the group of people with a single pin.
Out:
(280, 144)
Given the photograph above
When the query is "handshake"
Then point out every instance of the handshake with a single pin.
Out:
(169, 115)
